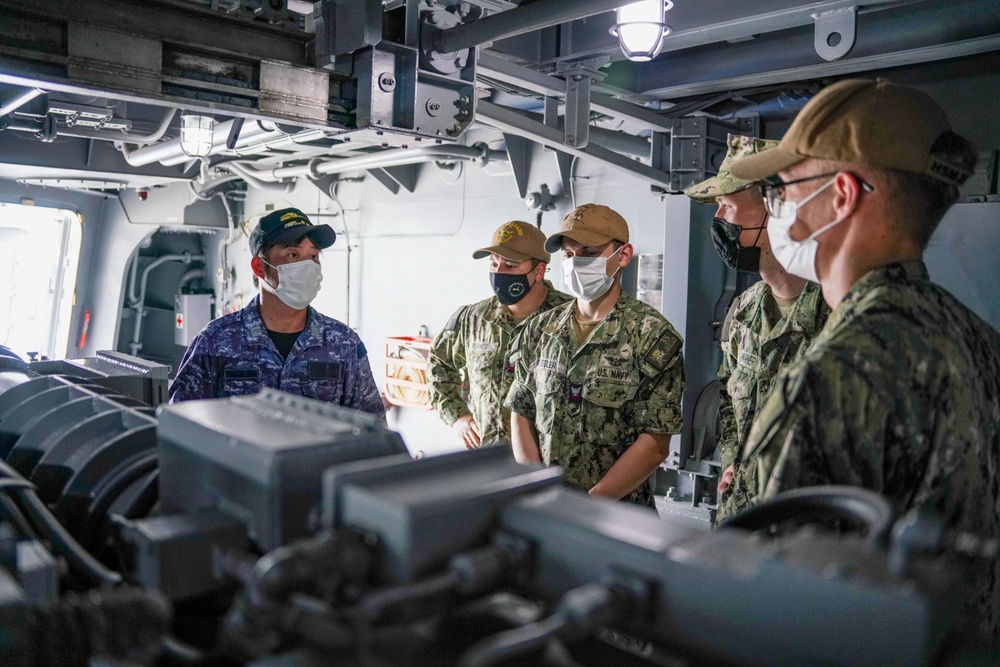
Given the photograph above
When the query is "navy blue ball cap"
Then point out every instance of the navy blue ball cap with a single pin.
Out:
(285, 227)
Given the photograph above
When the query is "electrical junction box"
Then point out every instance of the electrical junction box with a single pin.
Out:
(191, 313)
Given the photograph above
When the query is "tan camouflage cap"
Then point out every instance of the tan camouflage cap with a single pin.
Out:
(724, 183)
(864, 121)
(517, 241)
(592, 225)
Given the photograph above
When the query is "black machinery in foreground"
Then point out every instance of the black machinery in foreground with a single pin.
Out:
(274, 530)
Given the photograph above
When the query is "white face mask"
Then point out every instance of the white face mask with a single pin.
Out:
(796, 257)
(298, 283)
(587, 278)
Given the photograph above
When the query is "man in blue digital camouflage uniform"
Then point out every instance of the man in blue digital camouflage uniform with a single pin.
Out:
(900, 392)
(278, 340)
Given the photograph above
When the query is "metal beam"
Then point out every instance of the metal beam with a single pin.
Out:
(698, 24)
(619, 142)
(968, 47)
(510, 73)
(182, 23)
(743, 27)
(896, 35)
(537, 15)
(511, 122)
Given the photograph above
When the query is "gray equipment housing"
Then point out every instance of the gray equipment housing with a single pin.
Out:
(811, 599)
(260, 458)
(141, 379)
(427, 510)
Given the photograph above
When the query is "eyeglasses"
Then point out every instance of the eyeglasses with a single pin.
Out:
(773, 192)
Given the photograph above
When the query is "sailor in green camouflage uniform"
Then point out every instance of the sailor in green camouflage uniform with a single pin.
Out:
(760, 342)
(477, 338)
(770, 324)
(598, 381)
(900, 393)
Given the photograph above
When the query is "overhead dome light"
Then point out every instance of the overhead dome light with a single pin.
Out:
(641, 28)
(196, 135)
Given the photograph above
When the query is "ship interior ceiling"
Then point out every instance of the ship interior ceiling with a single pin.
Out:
(414, 128)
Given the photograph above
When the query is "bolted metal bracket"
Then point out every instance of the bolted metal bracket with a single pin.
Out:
(835, 33)
(542, 200)
(433, 23)
(578, 77)
(695, 147)
(519, 157)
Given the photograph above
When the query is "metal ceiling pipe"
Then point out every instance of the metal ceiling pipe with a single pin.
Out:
(254, 182)
(506, 120)
(170, 153)
(620, 142)
(391, 158)
(141, 140)
(104, 135)
(200, 191)
(284, 141)
(22, 123)
(538, 15)
(20, 101)
(492, 67)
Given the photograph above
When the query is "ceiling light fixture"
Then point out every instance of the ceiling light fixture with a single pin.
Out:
(196, 135)
(641, 28)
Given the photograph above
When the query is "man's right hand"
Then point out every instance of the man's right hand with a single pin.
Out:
(727, 478)
(468, 430)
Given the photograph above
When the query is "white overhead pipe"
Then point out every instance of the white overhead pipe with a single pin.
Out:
(254, 182)
(390, 158)
(284, 141)
(170, 153)
(157, 134)
(20, 100)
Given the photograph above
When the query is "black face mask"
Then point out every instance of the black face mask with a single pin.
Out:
(509, 287)
(726, 237)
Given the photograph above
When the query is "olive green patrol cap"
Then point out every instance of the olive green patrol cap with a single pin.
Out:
(724, 183)
(517, 241)
(864, 121)
(592, 225)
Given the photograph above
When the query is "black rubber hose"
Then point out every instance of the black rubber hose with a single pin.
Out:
(580, 612)
(112, 489)
(374, 605)
(78, 557)
(13, 514)
(121, 626)
(48, 525)
(820, 502)
(506, 646)
(180, 653)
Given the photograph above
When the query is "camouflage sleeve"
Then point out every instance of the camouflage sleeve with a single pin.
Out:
(198, 375)
(812, 431)
(360, 390)
(728, 436)
(658, 401)
(521, 396)
(444, 370)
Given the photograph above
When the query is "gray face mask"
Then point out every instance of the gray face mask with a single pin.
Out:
(298, 283)
(587, 278)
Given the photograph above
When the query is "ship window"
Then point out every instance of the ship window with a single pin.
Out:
(39, 253)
